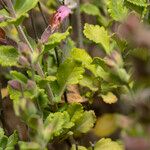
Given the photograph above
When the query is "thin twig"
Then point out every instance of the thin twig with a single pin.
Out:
(33, 26)
(79, 25)
(44, 18)
(4, 6)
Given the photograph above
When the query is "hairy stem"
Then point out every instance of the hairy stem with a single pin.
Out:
(24, 38)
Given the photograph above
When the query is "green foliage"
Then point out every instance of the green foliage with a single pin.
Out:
(79, 147)
(19, 76)
(138, 2)
(59, 74)
(88, 81)
(56, 123)
(107, 144)
(98, 35)
(21, 8)
(56, 38)
(8, 56)
(71, 72)
(117, 9)
(8, 143)
(29, 145)
(90, 9)
(86, 122)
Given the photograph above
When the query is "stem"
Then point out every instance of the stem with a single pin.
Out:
(24, 38)
(33, 26)
(44, 18)
(79, 25)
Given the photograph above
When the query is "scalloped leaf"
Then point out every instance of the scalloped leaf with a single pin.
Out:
(90, 9)
(56, 38)
(8, 56)
(107, 144)
(86, 122)
(109, 98)
(138, 2)
(117, 9)
(98, 35)
(68, 73)
(12, 140)
(23, 6)
(87, 81)
(56, 123)
(79, 147)
(75, 111)
(82, 56)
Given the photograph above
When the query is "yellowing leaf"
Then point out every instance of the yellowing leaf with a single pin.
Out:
(98, 35)
(107, 144)
(109, 98)
(105, 125)
(79, 147)
(4, 92)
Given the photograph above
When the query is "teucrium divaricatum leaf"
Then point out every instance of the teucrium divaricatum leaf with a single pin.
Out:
(117, 9)
(98, 35)
(8, 56)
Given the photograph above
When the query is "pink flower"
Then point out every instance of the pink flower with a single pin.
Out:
(62, 13)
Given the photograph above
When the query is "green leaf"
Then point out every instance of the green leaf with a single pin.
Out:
(138, 2)
(82, 56)
(55, 124)
(29, 146)
(106, 125)
(98, 35)
(12, 140)
(75, 111)
(109, 98)
(56, 38)
(87, 81)
(107, 144)
(90, 9)
(117, 9)
(86, 122)
(19, 76)
(68, 73)
(23, 6)
(79, 147)
(1, 132)
(8, 56)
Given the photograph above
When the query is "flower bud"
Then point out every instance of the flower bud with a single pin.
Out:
(24, 48)
(16, 85)
(62, 13)
(23, 61)
(31, 85)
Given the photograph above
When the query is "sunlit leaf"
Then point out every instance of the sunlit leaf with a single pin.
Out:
(107, 144)
(98, 35)
(8, 56)
(109, 98)
(105, 125)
